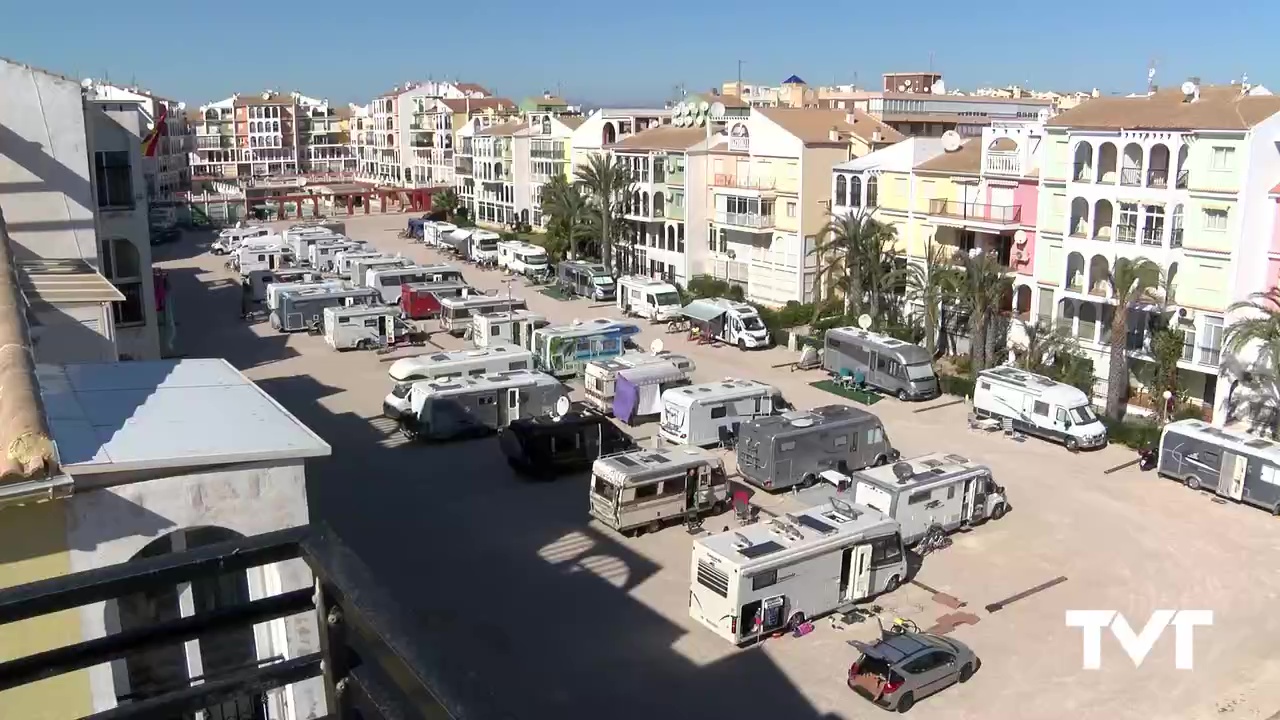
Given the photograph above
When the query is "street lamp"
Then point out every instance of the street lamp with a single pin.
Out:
(1168, 404)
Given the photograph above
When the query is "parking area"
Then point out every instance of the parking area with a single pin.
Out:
(563, 618)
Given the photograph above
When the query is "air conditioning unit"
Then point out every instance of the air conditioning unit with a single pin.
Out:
(1183, 315)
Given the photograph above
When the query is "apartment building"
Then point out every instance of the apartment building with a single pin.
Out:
(1181, 178)
(167, 172)
(928, 114)
(541, 151)
(608, 126)
(270, 134)
(791, 93)
(489, 191)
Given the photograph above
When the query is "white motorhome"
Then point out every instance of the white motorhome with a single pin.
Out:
(643, 490)
(482, 246)
(523, 258)
(728, 321)
(701, 414)
(261, 254)
(260, 280)
(774, 575)
(648, 298)
(276, 290)
(322, 254)
(601, 376)
(231, 238)
(343, 258)
(358, 268)
(387, 279)
(473, 406)
(434, 232)
(502, 328)
(456, 313)
(449, 364)
(362, 327)
(1037, 405)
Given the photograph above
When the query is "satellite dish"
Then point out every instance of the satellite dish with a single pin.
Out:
(702, 120)
(182, 106)
(576, 321)
(266, 95)
(717, 110)
(656, 346)
(803, 422)
(1020, 237)
(951, 141)
(678, 121)
(864, 321)
(903, 471)
(1188, 88)
(562, 407)
(87, 82)
(704, 106)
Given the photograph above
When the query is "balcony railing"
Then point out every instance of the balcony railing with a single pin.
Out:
(1181, 181)
(675, 212)
(1175, 237)
(1158, 177)
(1083, 172)
(675, 178)
(751, 221)
(1004, 163)
(1131, 176)
(1153, 236)
(743, 183)
(978, 212)
(375, 659)
(1126, 233)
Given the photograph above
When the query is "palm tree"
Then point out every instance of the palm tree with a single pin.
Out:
(445, 201)
(1043, 345)
(566, 212)
(983, 286)
(1261, 326)
(608, 183)
(932, 285)
(858, 251)
(1132, 283)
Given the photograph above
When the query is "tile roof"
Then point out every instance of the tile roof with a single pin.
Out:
(255, 98)
(813, 125)
(546, 100)
(966, 160)
(479, 104)
(1220, 107)
(573, 122)
(506, 129)
(729, 101)
(864, 125)
(472, 88)
(663, 137)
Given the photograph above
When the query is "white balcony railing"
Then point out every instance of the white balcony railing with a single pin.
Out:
(752, 221)
(1004, 163)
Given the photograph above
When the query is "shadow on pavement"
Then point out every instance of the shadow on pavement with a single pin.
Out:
(212, 327)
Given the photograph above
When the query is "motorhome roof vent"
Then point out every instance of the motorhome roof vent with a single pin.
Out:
(931, 463)
(803, 422)
(903, 471)
(785, 529)
(741, 541)
(957, 459)
(841, 511)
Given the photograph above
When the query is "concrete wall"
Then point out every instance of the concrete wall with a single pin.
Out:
(110, 525)
(45, 165)
(74, 333)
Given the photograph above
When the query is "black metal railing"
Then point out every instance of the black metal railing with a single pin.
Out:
(1158, 177)
(375, 661)
(982, 212)
(1181, 181)
(1131, 176)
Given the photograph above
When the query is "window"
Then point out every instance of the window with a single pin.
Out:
(647, 491)
(855, 192)
(875, 435)
(114, 178)
(886, 550)
(719, 411)
(120, 265)
(1224, 158)
(872, 192)
(842, 185)
(787, 446)
(760, 581)
(841, 440)
(1215, 219)
(791, 209)
(1211, 341)
(673, 486)
(951, 492)
(493, 331)
(929, 662)
(920, 497)
(1061, 416)
(490, 400)
(478, 372)
(1041, 409)
(984, 385)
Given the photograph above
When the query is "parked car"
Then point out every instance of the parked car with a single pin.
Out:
(544, 447)
(906, 666)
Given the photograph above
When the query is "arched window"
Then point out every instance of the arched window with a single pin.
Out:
(855, 192)
(872, 188)
(842, 188)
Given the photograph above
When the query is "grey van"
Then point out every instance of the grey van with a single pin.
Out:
(890, 365)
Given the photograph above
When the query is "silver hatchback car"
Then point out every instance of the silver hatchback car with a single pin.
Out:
(905, 666)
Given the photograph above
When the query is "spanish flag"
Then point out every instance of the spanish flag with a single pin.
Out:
(152, 141)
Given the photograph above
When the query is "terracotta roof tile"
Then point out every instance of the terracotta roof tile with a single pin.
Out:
(473, 88)
(966, 160)
(479, 104)
(255, 98)
(1220, 107)
(573, 122)
(864, 125)
(506, 129)
(813, 125)
(663, 137)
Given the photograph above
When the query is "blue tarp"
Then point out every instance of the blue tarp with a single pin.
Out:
(415, 227)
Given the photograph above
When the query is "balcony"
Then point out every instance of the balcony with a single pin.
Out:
(1181, 181)
(1131, 176)
(1175, 237)
(675, 178)
(1152, 236)
(743, 183)
(1003, 163)
(675, 212)
(752, 222)
(979, 214)
(1126, 234)
(1083, 172)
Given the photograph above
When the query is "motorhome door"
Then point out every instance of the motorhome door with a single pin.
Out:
(509, 408)
(855, 573)
(1231, 476)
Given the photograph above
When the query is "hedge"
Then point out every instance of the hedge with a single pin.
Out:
(1136, 434)
(956, 385)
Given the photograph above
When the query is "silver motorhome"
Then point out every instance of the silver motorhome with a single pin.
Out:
(472, 406)
(322, 254)
(935, 493)
(1232, 464)
(643, 490)
(360, 327)
(260, 280)
(456, 312)
(888, 364)
(302, 309)
(590, 280)
(276, 290)
(407, 371)
(794, 448)
(697, 414)
(358, 268)
(774, 575)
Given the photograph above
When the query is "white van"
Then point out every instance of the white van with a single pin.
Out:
(1037, 405)
(648, 298)
(358, 268)
(434, 232)
(457, 363)
(264, 253)
(695, 414)
(523, 258)
(231, 238)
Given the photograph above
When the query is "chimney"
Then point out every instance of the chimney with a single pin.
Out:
(875, 136)
(834, 134)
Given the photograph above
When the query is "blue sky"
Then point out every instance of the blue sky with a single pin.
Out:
(604, 53)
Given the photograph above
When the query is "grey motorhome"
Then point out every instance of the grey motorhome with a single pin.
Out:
(456, 312)
(304, 309)
(794, 448)
(645, 489)
(473, 406)
(590, 280)
(749, 583)
(358, 267)
(321, 255)
(277, 289)
(930, 494)
(1233, 464)
(407, 371)
(699, 414)
(260, 280)
(888, 364)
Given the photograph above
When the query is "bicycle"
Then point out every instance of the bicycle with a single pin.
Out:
(934, 539)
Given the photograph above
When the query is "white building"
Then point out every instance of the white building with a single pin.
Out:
(540, 152)
(168, 171)
(607, 126)
(492, 196)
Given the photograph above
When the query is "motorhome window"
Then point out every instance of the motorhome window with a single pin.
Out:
(760, 581)
(1083, 415)
(1061, 416)
(985, 385)
(344, 321)
(917, 498)
(875, 435)
(752, 322)
(488, 401)
(476, 373)
(719, 411)
(712, 579)
(647, 491)
(886, 550)
(493, 331)
(1041, 409)
(860, 354)
(1267, 474)
(920, 371)
(604, 489)
(522, 365)
(609, 345)
(833, 343)
(371, 323)
(665, 298)
(840, 440)
(583, 345)
(787, 446)
(717, 476)
(673, 486)
(951, 492)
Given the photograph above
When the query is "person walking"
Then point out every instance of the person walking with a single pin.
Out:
(246, 299)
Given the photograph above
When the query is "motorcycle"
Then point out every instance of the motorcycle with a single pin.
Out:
(1147, 458)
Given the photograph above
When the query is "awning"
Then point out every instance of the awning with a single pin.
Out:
(652, 374)
(458, 237)
(702, 311)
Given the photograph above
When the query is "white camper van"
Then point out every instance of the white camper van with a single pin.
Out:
(358, 268)
(231, 238)
(482, 246)
(260, 280)
(601, 376)
(275, 290)
(643, 490)
(322, 254)
(450, 364)
(434, 232)
(506, 328)
(343, 258)
(1037, 405)
(261, 254)
(523, 258)
(387, 279)
(748, 583)
(362, 327)
(701, 414)
(728, 321)
(648, 298)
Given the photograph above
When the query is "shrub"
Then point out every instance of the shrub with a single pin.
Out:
(1132, 433)
(959, 385)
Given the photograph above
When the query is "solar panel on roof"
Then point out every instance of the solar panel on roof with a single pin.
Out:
(656, 458)
(814, 524)
(1259, 444)
(764, 548)
(625, 461)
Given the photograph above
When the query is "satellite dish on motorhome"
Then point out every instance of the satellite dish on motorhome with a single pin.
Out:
(951, 141)
(864, 321)
(656, 346)
(562, 407)
(903, 471)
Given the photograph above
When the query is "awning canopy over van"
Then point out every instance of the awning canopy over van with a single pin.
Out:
(458, 237)
(702, 311)
(651, 374)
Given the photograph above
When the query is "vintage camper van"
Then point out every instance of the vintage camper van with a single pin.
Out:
(523, 258)
(778, 451)
(729, 321)
(449, 364)
(363, 327)
(563, 350)
(456, 313)
(590, 280)
(644, 490)
(421, 301)
(931, 494)
(547, 446)
(600, 378)
(1037, 405)
(1232, 464)
(476, 406)
(304, 309)
(707, 413)
(502, 328)
(774, 575)
(648, 298)
(889, 365)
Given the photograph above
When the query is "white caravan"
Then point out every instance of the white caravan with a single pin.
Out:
(648, 298)
(456, 313)
(342, 259)
(1037, 405)
(231, 238)
(275, 290)
(702, 414)
(260, 280)
(601, 376)
(387, 279)
(450, 364)
(503, 328)
(434, 232)
(358, 268)
(322, 254)
(482, 246)
(361, 327)
(728, 321)
(643, 490)
(774, 575)
(523, 258)
(261, 254)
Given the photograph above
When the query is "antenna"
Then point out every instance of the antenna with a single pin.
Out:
(1151, 76)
